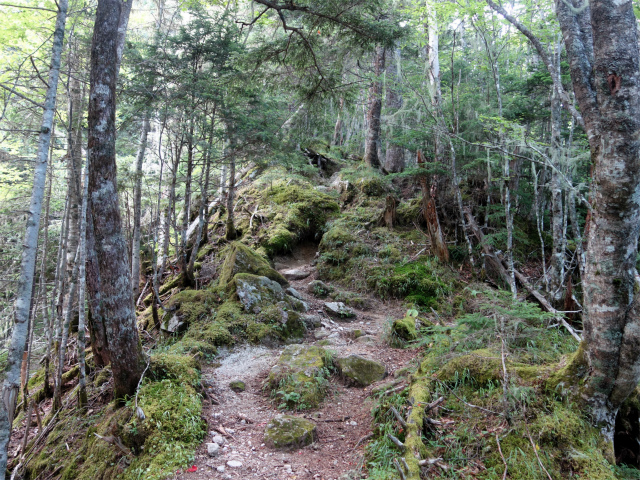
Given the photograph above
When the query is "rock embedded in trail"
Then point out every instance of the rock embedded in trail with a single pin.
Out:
(298, 379)
(289, 432)
(213, 449)
(319, 289)
(295, 274)
(237, 386)
(294, 293)
(360, 371)
(234, 464)
(339, 310)
(312, 321)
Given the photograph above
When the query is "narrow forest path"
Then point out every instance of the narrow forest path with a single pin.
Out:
(343, 419)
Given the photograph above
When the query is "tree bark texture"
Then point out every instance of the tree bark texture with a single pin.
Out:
(116, 297)
(372, 142)
(602, 46)
(30, 245)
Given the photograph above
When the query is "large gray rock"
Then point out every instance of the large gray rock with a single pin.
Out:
(174, 324)
(339, 310)
(296, 273)
(360, 371)
(255, 293)
(289, 432)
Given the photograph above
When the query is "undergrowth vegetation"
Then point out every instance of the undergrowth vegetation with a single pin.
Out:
(495, 413)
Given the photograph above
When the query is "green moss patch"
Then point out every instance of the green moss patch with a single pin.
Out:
(299, 379)
(241, 259)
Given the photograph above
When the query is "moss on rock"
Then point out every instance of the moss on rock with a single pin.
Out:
(360, 371)
(405, 328)
(299, 378)
(241, 259)
(289, 432)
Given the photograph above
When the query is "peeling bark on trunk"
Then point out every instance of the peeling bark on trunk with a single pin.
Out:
(438, 244)
(372, 142)
(602, 47)
(110, 246)
(25, 283)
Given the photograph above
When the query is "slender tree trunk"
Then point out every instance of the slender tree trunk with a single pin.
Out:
(82, 375)
(556, 270)
(372, 142)
(30, 246)
(137, 209)
(231, 233)
(183, 253)
(337, 131)
(110, 246)
(394, 159)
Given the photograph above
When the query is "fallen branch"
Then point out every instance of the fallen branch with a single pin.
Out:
(429, 461)
(396, 442)
(545, 304)
(433, 404)
(359, 442)
(400, 471)
(115, 441)
(506, 468)
(398, 417)
(535, 450)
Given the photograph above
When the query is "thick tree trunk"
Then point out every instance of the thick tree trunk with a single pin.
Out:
(110, 246)
(30, 246)
(137, 209)
(372, 142)
(602, 47)
(394, 159)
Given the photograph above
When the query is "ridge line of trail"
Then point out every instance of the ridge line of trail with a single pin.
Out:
(343, 418)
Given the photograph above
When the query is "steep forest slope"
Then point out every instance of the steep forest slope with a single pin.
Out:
(331, 308)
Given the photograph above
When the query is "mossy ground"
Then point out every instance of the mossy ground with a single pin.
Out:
(464, 362)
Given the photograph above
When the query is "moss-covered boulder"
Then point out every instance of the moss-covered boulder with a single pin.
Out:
(237, 386)
(187, 307)
(339, 310)
(289, 432)
(299, 379)
(480, 366)
(405, 328)
(319, 289)
(241, 259)
(360, 371)
(255, 293)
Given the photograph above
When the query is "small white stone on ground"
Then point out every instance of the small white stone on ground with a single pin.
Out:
(213, 449)
(220, 469)
(219, 439)
(234, 464)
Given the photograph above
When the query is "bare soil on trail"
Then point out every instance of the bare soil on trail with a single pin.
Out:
(343, 420)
